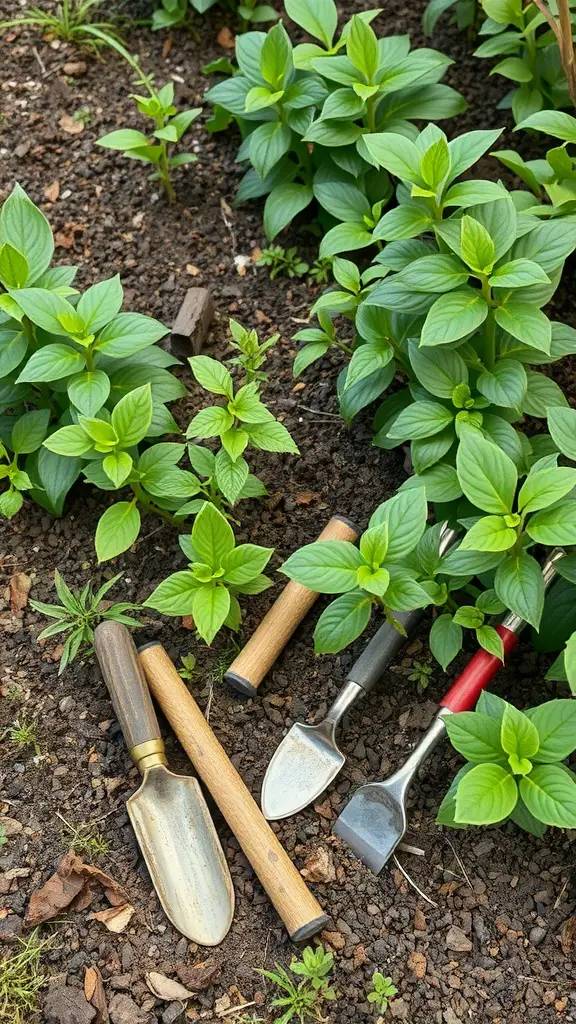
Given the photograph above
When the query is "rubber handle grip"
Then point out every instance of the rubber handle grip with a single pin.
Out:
(480, 670)
(383, 647)
(296, 905)
(126, 683)
(270, 638)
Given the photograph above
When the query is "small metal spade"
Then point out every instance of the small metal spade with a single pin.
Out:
(374, 821)
(308, 759)
(168, 813)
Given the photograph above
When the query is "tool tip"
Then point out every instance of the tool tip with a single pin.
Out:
(240, 684)
(310, 928)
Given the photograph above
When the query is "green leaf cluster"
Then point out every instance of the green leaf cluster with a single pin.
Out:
(464, 13)
(520, 36)
(379, 573)
(174, 13)
(514, 766)
(282, 262)
(305, 114)
(65, 357)
(242, 421)
(554, 176)
(219, 571)
(157, 146)
(381, 991)
(303, 1002)
(252, 353)
(78, 615)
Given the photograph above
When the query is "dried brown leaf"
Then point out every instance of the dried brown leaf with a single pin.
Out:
(70, 125)
(51, 192)
(70, 888)
(94, 992)
(166, 988)
(568, 934)
(20, 585)
(116, 919)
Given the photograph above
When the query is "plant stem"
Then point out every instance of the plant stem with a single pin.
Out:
(149, 506)
(371, 113)
(489, 347)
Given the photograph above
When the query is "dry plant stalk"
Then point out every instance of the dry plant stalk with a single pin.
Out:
(562, 29)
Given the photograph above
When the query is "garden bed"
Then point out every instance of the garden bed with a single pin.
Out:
(487, 943)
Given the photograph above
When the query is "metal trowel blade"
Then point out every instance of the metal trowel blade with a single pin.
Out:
(374, 822)
(183, 855)
(303, 766)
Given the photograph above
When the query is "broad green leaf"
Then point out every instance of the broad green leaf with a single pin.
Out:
(543, 487)
(476, 246)
(245, 562)
(117, 530)
(554, 526)
(317, 17)
(476, 736)
(342, 622)
(487, 794)
(52, 362)
(466, 149)
(24, 226)
(100, 303)
(345, 238)
(210, 422)
(88, 391)
(439, 481)
(406, 514)
(129, 333)
(328, 567)
(212, 536)
(453, 316)
(489, 534)
(45, 308)
(269, 142)
(447, 808)
(117, 467)
(396, 154)
(132, 416)
(531, 326)
(487, 475)
(518, 274)
(505, 384)
(543, 394)
(556, 724)
(13, 267)
(438, 372)
(271, 436)
(212, 375)
(445, 639)
(519, 584)
(548, 244)
(210, 608)
(123, 139)
(519, 738)
(230, 475)
(551, 122)
(562, 426)
(283, 204)
(73, 441)
(13, 348)
(403, 222)
(470, 563)
(362, 47)
(29, 431)
(421, 419)
(438, 273)
(491, 641)
(174, 596)
(549, 792)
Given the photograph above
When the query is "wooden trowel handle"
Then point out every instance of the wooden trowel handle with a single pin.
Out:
(298, 908)
(127, 687)
(257, 657)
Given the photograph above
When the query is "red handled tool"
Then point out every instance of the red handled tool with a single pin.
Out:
(374, 821)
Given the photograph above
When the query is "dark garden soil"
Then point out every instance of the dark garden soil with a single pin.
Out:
(484, 939)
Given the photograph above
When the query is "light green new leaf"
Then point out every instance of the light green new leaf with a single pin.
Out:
(549, 792)
(487, 794)
(212, 536)
(210, 608)
(543, 487)
(476, 736)
(453, 316)
(519, 738)
(445, 639)
(519, 584)
(556, 724)
(212, 375)
(487, 475)
(342, 622)
(132, 416)
(328, 567)
(489, 534)
(406, 514)
(117, 530)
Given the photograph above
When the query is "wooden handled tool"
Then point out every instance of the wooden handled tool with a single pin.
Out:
(298, 908)
(257, 657)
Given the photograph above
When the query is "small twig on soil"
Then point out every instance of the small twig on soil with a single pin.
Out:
(39, 59)
(560, 894)
(236, 1009)
(413, 883)
(414, 850)
(209, 704)
(460, 863)
(227, 217)
(320, 412)
(544, 981)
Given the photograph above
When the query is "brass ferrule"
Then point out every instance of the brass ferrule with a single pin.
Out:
(149, 755)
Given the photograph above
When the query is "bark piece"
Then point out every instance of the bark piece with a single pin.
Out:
(71, 887)
(193, 322)
(94, 992)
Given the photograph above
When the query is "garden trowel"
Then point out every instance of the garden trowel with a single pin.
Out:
(308, 758)
(168, 812)
(374, 821)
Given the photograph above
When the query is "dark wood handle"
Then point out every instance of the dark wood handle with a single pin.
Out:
(126, 683)
(260, 652)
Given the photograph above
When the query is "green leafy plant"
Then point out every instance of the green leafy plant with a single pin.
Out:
(466, 271)
(23, 733)
(446, 637)
(465, 14)
(381, 992)
(65, 355)
(78, 615)
(252, 353)
(188, 668)
(321, 270)
(173, 13)
(514, 768)
(21, 980)
(282, 262)
(533, 44)
(218, 572)
(420, 673)
(71, 21)
(170, 126)
(303, 1001)
(305, 113)
(241, 422)
(379, 573)
(552, 178)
